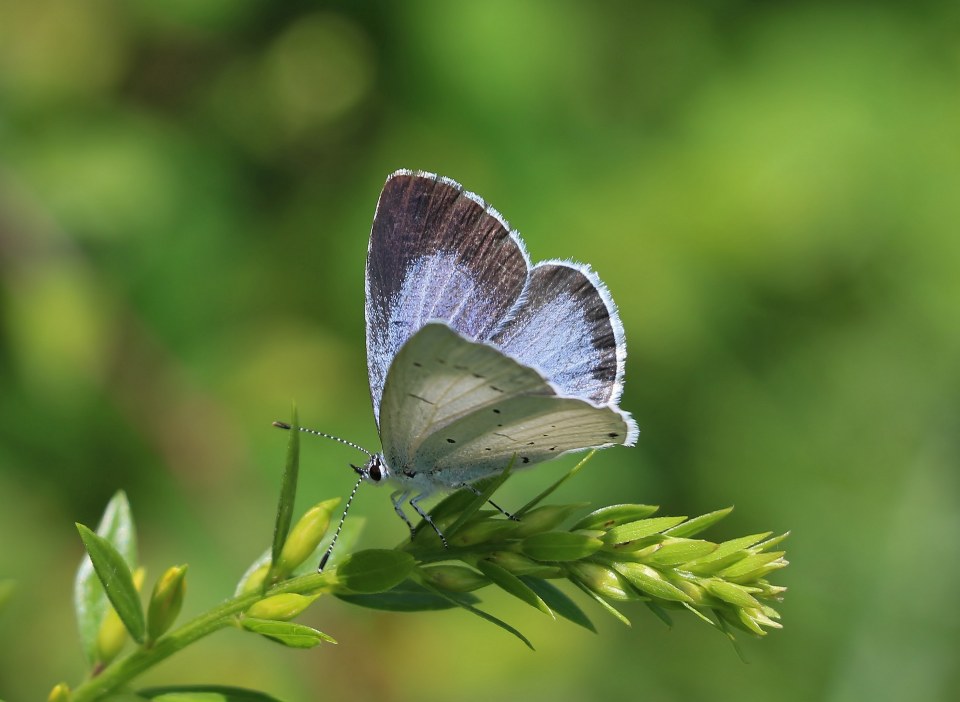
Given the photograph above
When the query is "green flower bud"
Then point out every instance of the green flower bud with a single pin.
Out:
(454, 578)
(280, 607)
(166, 601)
(691, 590)
(305, 536)
(603, 581)
(521, 565)
(543, 519)
(254, 581)
(59, 693)
(482, 531)
(113, 634)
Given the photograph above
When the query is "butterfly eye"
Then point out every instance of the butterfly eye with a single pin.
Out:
(375, 474)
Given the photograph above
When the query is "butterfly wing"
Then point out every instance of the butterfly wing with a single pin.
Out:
(461, 409)
(436, 252)
(567, 327)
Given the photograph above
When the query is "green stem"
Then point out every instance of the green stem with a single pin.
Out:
(125, 669)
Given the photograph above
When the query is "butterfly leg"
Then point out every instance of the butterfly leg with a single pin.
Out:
(493, 504)
(415, 503)
(397, 499)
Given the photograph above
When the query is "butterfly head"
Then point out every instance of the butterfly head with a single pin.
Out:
(373, 471)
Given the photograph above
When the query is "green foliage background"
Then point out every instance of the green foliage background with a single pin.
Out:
(771, 191)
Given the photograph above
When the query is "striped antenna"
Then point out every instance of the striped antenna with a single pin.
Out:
(284, 425)
(343, 518)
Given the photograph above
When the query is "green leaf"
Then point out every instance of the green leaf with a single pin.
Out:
(480, 613)
(549, 491)
(510, 583)
(89, 598)
(726, 554)
(408, 596)
(660, 613)
(631, 531)
(480, 500)
(288, 490)
(769, 543)
(287, 633)
(117, 581)
(204, 693)
(751, 564)
(649, 581)
(611, 516)
(609, 608)
(678, 551)
(560, 546)
(374, 570)
(558, 601)
(736, 595)
(694, 526)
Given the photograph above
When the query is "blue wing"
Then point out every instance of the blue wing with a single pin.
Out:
(436, 252)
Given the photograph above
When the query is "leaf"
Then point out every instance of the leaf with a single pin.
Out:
(726, 554)
(408, 596)
(288, 490)
(694, 526)
(287, 633)
(750, 564)
(510, 583)
(736, 595)
(660, 613)
(89, 599)
(480, 500)
(611, 516)
(117, 581)
(560, 546)
(602, 602)
(483, 615)
(678, 551)
(204, 693)
(374, 570)
(631, 531)
(558, 601)
(549, 491)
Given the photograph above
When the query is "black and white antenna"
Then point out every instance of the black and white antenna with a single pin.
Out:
(360, 471)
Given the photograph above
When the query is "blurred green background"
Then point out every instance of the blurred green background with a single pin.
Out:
(770, 190)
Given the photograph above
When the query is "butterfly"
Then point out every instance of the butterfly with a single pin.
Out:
(477, 359)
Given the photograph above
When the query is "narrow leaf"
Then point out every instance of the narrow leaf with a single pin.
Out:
(89, 599)
(374, 570)
(558, 601)
(560, 546)
(651, 582)
(117, 581)
(694, 526)
(549, 491)
(204, 693)
(769, 543)
(602, 602)
(510, 583)
(288, 489)
(726, 554)
(611, 516)
(287, 633)
(749, 564)
(483, 615)
(661, 614)
(408, 596)
(677, 551)
(729, 592)
(631, 531)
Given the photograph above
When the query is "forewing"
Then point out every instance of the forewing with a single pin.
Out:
(567, 327)
(436, 252)
(465, 408)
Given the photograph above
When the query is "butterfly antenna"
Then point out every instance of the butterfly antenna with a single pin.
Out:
(336, 534)
(284, 425)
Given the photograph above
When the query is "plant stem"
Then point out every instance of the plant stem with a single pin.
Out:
(125, 669)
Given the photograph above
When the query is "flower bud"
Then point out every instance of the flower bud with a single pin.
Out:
(454, 578)
(482, 531)
(253, 582)
(603, 581)
(59, 693)
(521, 565)
(113, 634)
(280, 607)
(543, 519)
(166, 601)
(306, 534)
